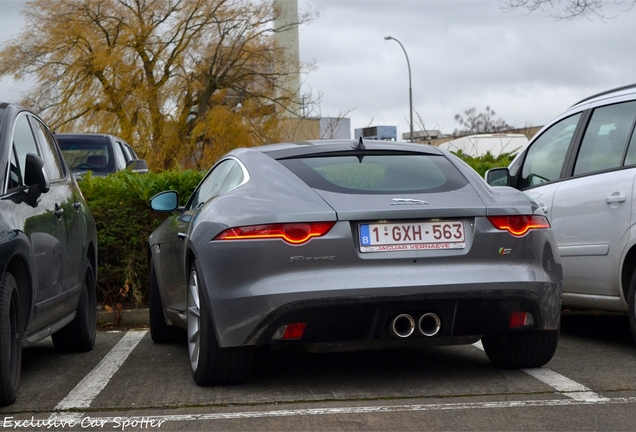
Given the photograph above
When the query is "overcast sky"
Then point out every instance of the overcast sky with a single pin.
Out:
(463, 54)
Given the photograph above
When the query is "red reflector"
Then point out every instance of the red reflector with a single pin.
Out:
(519, 319)
(519, 225)
(294, 331)
(294, 233)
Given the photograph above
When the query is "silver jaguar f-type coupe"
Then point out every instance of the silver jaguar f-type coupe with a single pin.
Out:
(351, 245)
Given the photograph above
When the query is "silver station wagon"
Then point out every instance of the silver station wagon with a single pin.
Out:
(581, 169)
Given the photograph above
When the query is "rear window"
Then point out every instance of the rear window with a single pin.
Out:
(86, 153)
(373, 173)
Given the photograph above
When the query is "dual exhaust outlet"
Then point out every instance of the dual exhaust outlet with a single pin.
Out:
(403, 325)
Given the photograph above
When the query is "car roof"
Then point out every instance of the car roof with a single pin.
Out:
(87, 134)
(11, 109)
(16, 107)
(618, 91)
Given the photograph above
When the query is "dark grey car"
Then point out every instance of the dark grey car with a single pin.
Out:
(48, 247)
(345, 245)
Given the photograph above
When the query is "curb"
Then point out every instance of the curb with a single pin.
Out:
(129, 318)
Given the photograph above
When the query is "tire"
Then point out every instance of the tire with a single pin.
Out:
(527, 349)
(10, 339)
(211, 365)
(631, 300)
(79, 334)
(160, 331)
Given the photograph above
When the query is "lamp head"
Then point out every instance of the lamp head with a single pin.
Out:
(387, 37)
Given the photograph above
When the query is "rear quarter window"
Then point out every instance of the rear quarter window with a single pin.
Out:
(373, 173)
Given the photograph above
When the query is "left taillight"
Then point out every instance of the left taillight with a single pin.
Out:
(519, 225)
(293, 233)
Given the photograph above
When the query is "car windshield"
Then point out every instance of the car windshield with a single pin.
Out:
(377, 173)
(86, 153)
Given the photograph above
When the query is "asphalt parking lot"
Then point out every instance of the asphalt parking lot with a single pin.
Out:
(129, 383)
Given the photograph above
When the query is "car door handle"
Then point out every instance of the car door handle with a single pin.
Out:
(58, 212)
(77, 205)
(182, 236)
(615, 199)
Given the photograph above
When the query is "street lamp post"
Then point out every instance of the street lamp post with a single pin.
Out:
(410, 90)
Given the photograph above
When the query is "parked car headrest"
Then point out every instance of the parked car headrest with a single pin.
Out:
(99, 161)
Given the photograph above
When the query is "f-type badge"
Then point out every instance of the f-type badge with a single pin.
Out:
(311, 259)
(406, 201)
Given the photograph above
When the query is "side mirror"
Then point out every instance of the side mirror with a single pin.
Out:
(35, 175)
(138, 166)
(165, 202)
(498, 177)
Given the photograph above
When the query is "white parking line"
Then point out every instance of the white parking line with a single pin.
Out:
(564, 385)
(84, 393)
(158, 420)
(93, 383)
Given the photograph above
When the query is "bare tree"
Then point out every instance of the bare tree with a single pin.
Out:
(567, 9)
(473, 123)
(424, 134)
(333, 125)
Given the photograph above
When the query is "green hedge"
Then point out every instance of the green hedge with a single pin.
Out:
(484, 163)
(119, 204)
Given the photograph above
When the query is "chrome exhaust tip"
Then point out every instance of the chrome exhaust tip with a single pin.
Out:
(402, 326)
(429, 324)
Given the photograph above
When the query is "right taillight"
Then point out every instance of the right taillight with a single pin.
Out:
(519, 225)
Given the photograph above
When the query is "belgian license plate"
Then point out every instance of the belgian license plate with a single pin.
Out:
(408, 236)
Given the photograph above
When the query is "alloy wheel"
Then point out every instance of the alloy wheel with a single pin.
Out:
(194, 320)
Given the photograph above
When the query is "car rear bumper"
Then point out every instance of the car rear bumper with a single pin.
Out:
(364, 319)
(462, 311)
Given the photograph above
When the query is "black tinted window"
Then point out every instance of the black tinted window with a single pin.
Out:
(15, 177)
(49, 150)
(377, 173)
(23, 142)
